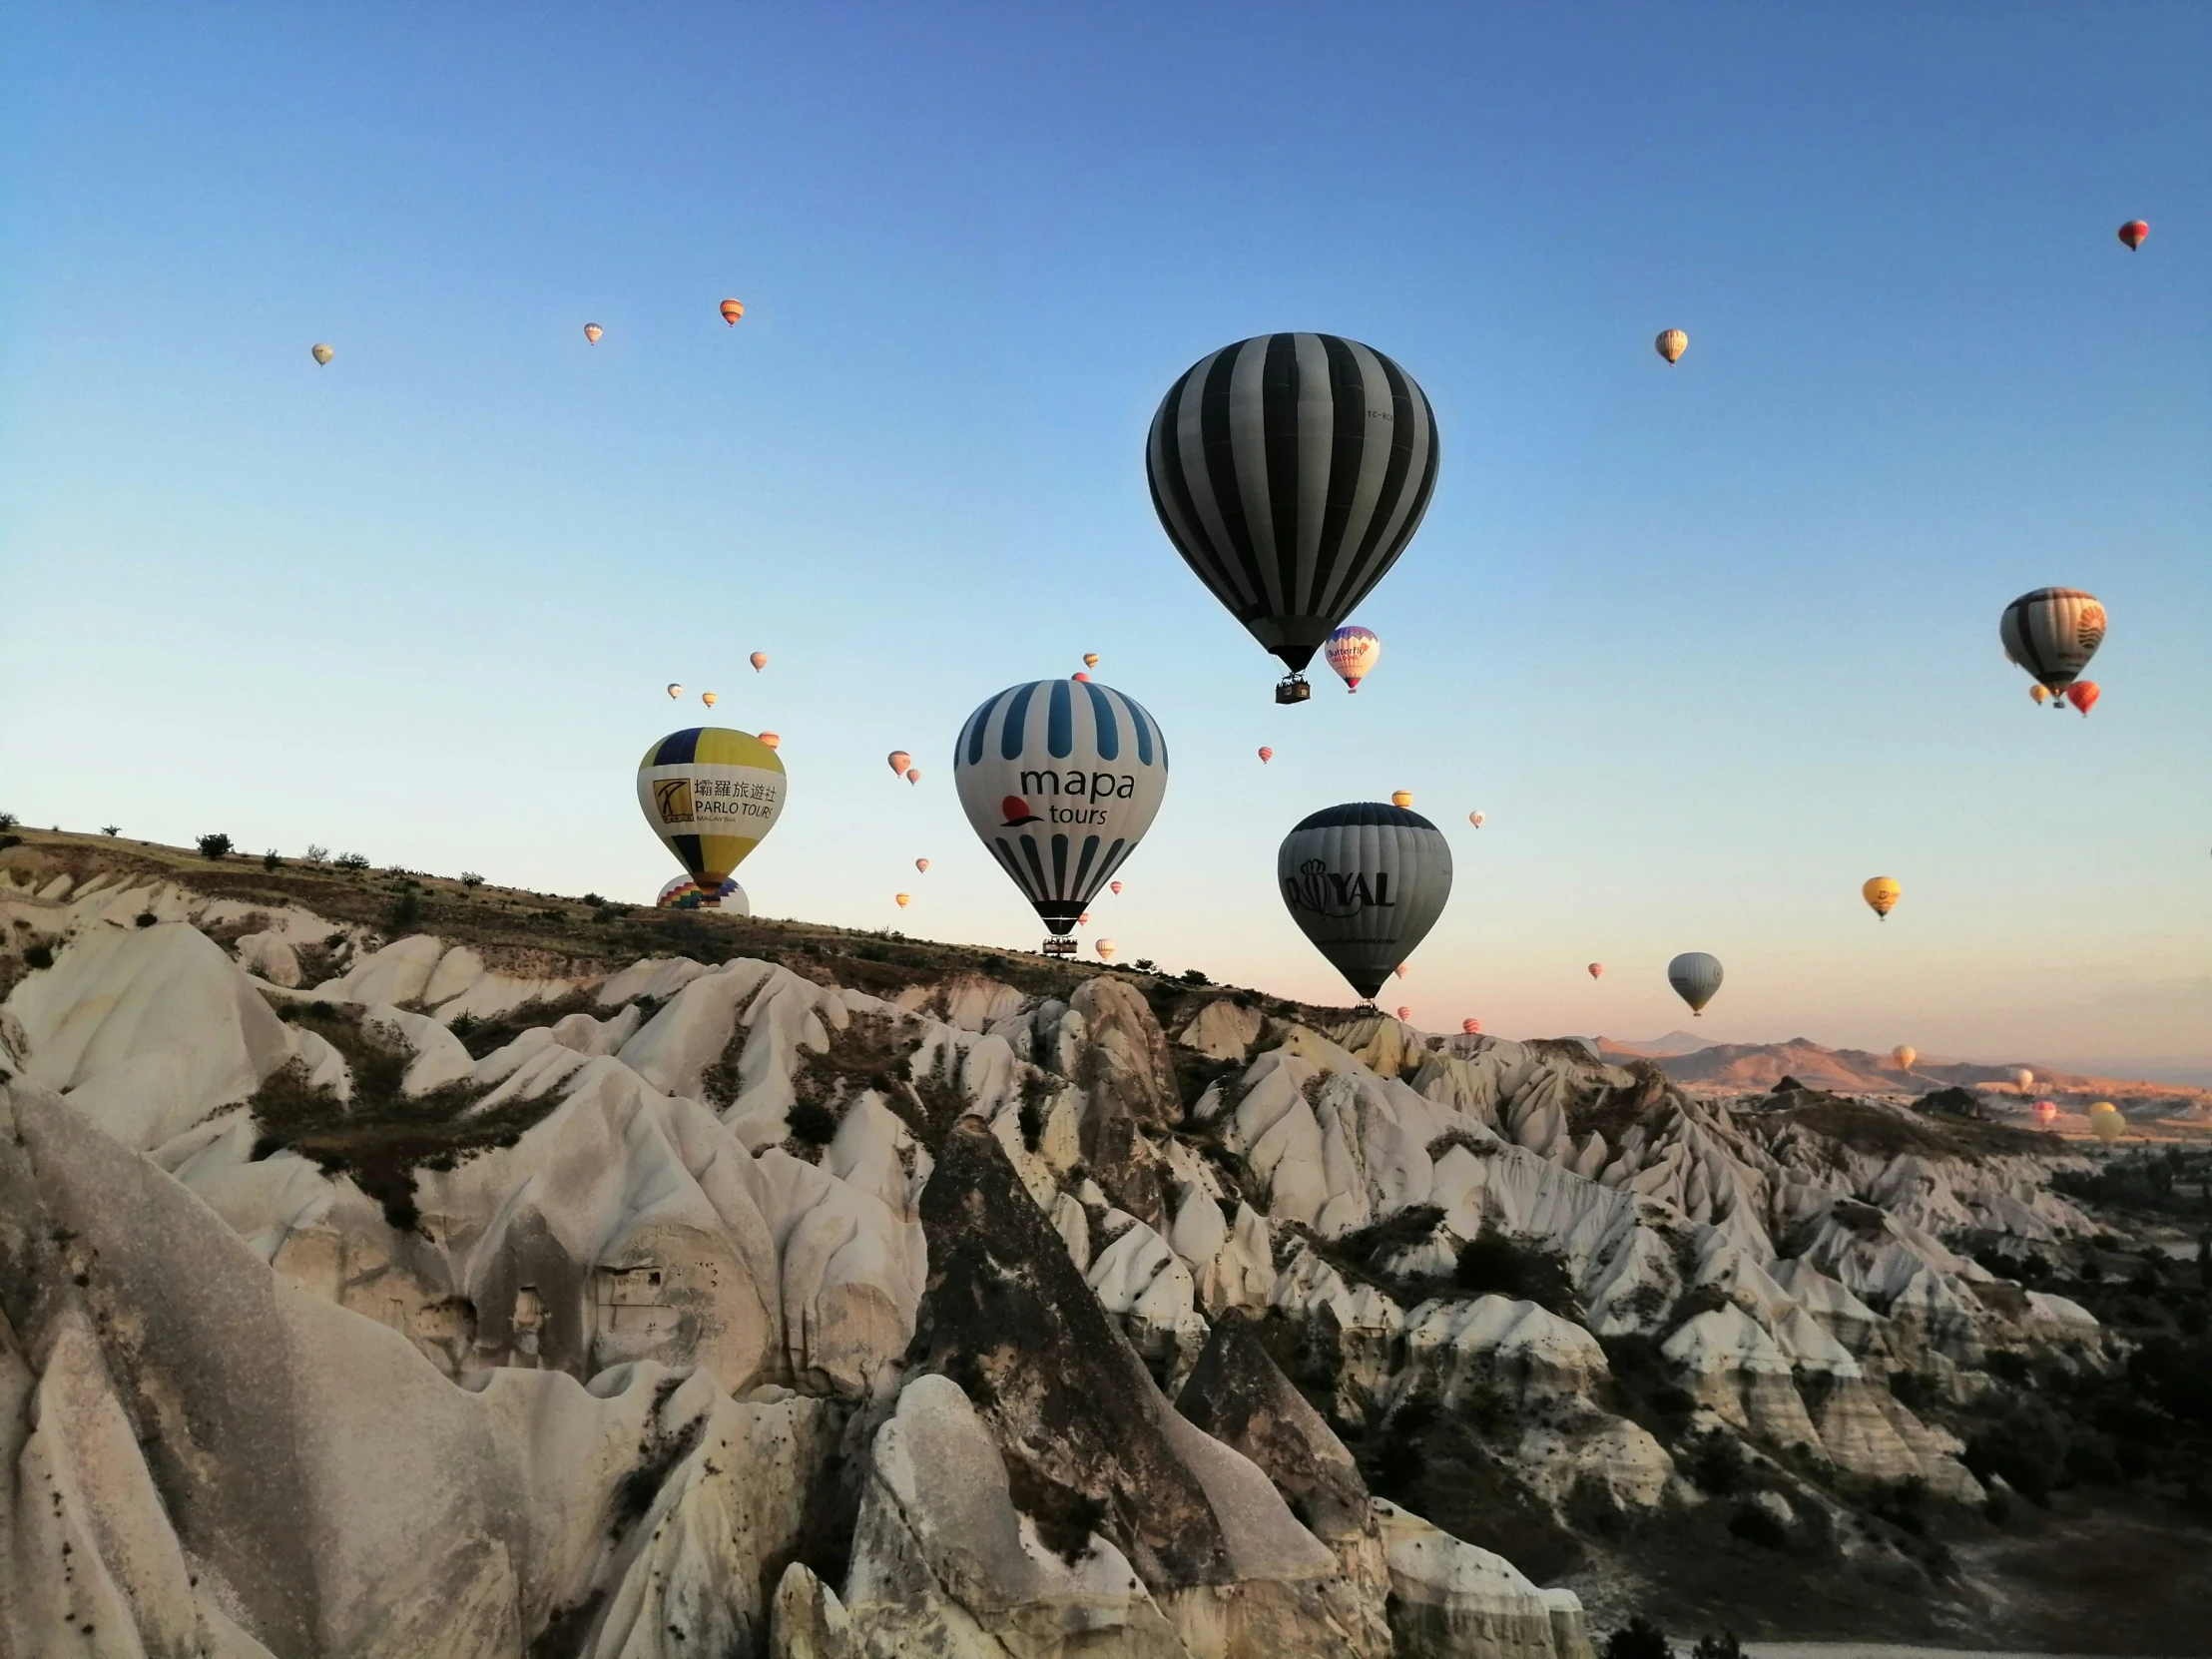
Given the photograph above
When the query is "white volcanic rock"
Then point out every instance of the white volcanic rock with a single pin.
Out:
(270, 957)
(656, 978)
(1223, 1030)
(967, 1000)
(1146, 1285)
(439, 1058)
(147, 1030)
(1515, 1345)
(808, 1621)
(1738, 1369)
(1582, 1452)
(1451, 1599)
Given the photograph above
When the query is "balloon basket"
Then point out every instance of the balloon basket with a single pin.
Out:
(1058, 947)
(1292, 689)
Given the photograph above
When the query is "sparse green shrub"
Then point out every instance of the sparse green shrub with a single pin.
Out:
(811, 1123)
(1195, 976)
(8, 820)
(1755, 1527)
(214, 849)
(593, 899)
(405, 912)
(40, 955)
(1144, 964)
(8, 839)
(273, 860)
(461, 1024)
(1031, 1119)
(1717, 1465)
(2010, 1365)
(471, 880)
(351, 860)
(1640, 1639)
(111, 829)
(1496, 1264)
(315, 854)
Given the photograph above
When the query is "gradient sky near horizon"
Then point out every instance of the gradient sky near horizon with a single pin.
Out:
(1709, 645)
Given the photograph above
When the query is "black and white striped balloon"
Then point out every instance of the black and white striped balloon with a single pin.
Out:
(2052, 632)
(1290, 471)
(1365, 881)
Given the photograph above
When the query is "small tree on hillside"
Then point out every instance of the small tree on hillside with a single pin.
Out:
(1640, 1640)
(214, 849)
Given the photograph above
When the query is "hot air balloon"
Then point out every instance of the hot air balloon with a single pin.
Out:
(1400, 970)
(2040, 693)
(1406, 1013)
(320, 353)
(1881, 893)
(1473, 1028)
(1671, 343)
(709, 698)
(914, 775)
(1476, 819)
(1353, 652)
(2083, 695)
(1083, 920)
(683, 894)
(2052, 632)
(760, 661)
(1695, 977)
(1085, 679)
(1090, 659)
(674, 690)
(1290, 471)
(1266, 754)
(592, 332)
(1365, 882)
(2133, 232)
(899, 761)
(905, 899)
(2046, 1112)
(1597, 971)
(1402, 798)
(1060, 781)
(2023, 1079)
(922, 864)
(731, 310)
(1115, 887)
(772, 739)
(1106, 949)
(711, 795)
(1904, 1055)
(2106, 1122)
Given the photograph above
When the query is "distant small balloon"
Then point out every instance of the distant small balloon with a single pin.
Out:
(1266, 754)
(1476, 819)
(772, 739)
(1881, 893)
(592, 332)
(1671, 343)
(1400, 970)
(1904, 1055)
(1402, 798)
(320, 352)
(922, 864)
(674, 690)
(2024, 1078)
(1106, 949)
(1083, 920)
(914, 775)
(760, 661)
(2133, 232)
(1406, 1013)
(1473, 1028)
(1090, 659)
(2040, 693)
(1353, 652)
(905, 899)
(899, 761)
(1597, 971)
(709, 698)
(1115, 887)
(2083, 695)
(1085, 678)
(731, 310)
(2046, 1112)
(2106, 1122)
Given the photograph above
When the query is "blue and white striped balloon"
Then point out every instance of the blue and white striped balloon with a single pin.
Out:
(1060, 780)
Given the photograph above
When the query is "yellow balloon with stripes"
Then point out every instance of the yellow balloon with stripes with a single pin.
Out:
(711, 795)
(1882, 894)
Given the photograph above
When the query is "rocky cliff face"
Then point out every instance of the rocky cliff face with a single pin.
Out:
(421, 1296)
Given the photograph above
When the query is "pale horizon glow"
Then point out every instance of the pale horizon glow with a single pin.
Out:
(1710, 645)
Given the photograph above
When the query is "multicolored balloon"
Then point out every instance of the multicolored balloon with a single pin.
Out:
(922, 864)
(709, 698)
(1060, 781)
(2039, 693)
(1671, 343)
(731, 310)
(1473, 1028)
(2133, 233)
(904, 899)
(1290, 471)
(1881, 893)
(2052, 632)
(683, 894)
(1106, 949)
(914, 775)
(1090, 659)
(711, 795)
(772, 739)
(1266, 754)
(2046, 1112)
(1695, 977)
(1476, 819)
(674, 690)
(592, 332)
(1115, 887)
(1365, 883)
(1353, 652)
(1404, 1013)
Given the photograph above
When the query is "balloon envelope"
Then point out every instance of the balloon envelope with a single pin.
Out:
(772, 739)
(320, 353)
(1881, 893)
(1266, 754)
(1353, 652)
(1671, 343)
(683, 894)
(1090, 659)
(2133, 232)
(1060, 781)
(1695, 977)
(1290, 471)
(711, 795)
(1402, 798)
(2083, 695)
(1107, 949)
(905, 899)
(2106, 1122)
(922, 864)
(2052, 632)
(2024, 1078)
(1597, 969)
(914, 775)
(1406, 1013)
(1904, 1055)
(674, 690)
(1365, 882)
(1473, 1028)
(899, 761)
(2046, 1111)
(592, 332)
(760, 661)
(731, 310)
(1476, 819)
(709, 698)
(2040, 693)
(1115, 886)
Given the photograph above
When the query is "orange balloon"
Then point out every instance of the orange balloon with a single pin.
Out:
(760, 661)
(914, 775)
(900, 761)
(1402, 797)
(1085, 678)
(1083, 920)
(772, 739)
(1470, 1026)
(1400, 970)
(2083, 695)
(1596, 968)
(905, 899)
(1406, 1013)
(731, 310)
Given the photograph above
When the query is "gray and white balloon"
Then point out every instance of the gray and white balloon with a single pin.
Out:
(1365, 881)
(1060, 779)
(1695, 977)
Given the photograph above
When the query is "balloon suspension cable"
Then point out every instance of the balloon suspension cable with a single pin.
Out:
(1292, 689)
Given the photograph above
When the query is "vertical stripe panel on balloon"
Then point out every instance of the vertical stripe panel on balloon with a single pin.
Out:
(677, 748)
(1317, 409)
(1279, 444)
(1143, 728)
(687, 849)
(1232, 582)
(1042, 889)
(1171, 489)
(1013, 735)
(1059, 887)
(1369, 505)
(1083, 870)
(1102, 716)
(1248, 454)
(1402, 490)
(1059, 738)
(1012, 867)
(1347, 466)
(1224, 497)
(978, 727)
(1114, 856)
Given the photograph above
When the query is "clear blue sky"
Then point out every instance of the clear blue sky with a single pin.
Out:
(1709, 645)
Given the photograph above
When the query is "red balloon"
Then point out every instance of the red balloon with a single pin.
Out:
(1266, 754)
(2133, 232)
(1406, 1013)
(2083, 695)
(1473, 1028)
